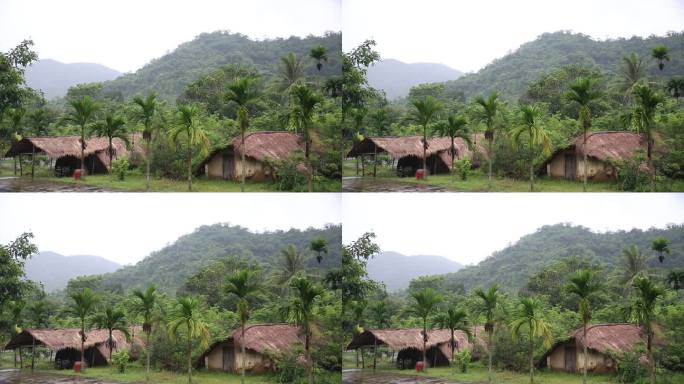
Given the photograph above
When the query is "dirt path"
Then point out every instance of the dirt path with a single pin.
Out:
(13, 184)
(353, 376)
(14, 376)
(365, 184)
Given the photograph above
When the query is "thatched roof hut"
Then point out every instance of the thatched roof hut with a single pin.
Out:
(260, 148)
(604, 342)
(408, 343)
(261, 340)
(408, 150)
(603, 149)
(66, 343)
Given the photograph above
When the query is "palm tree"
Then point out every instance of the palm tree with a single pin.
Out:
(633, 71)
(453, 319)
(424, 112)
(301, 310)
(243, 93)
(582, 92)
(243, 284)
(425, 302)
(455, 126)
(83, 304)
(675, 279)
(146, 306)
(644, 313)
(660, 53)
(306, 101)
(583, 285)
(634, 264)
(112, 126)
(379, 312)
(379, 120)
(319, 245)
(15, 308)
(488, 307)
(38, 312)
(676, 86)
(662, 246)
(319, 54)
(488, 115)
(643, 119)
(529, 314)
(39, 122)
(82, 113)
(186, 314)
(291, 71)
(112, 320)
(292, 263)
(16, 116)
(148, 108)
(195, 134)
(537, 135)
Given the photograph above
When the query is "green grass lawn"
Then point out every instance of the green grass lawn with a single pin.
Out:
(477, 182)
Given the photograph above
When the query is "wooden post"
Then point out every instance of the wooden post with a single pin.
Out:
(33, 354)
(375, 352)
(33, 164)
(375, 158)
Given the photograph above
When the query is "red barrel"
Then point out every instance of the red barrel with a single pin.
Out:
(77, 174)
(419, 366)
(419, 174)
(77, 366)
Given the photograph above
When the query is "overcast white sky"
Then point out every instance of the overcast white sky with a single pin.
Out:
(469, 227)
(126, 227)
(126, 34)
(467, 35)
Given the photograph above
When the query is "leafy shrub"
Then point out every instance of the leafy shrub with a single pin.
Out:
(462, 360)
(462, 168)
(289, 365)
(290, 174)
(631, 176)
(630, 370)
(120, 360)
(120, 168)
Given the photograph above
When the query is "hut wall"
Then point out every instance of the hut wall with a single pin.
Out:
(216, 358)
(597, 170)
(254, 170)
(596, 361)
(215, 166)
(254, 362)
(556, 359)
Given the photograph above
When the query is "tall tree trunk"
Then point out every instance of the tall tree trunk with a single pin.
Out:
(110, 161)
(375, 352)
(309, 363)
(584, 166)
(242, 348)
(651, 363)
(357, 357)
(491, 159)
(453, 342)
(531, 357)
(147, 163)
(33, 354)
(375, 159)
(21, 166)
(531, 177)
(453, 172)
(489, 352)
(189, 356)
(424, 164)
(357, 166)
(189, 171)
(33, 160)
(82, 152)
(309, 169)
(111, 345)
(242, 155)
(147, 364)
(424, 342)
(584, 362)
(82, 347)
(651, 169)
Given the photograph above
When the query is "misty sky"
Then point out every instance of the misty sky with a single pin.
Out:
(469, 227)
(126, 227)
(467, 35)
(126, 34)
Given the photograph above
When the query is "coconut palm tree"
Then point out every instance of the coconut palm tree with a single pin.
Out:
(194, 133)
(643, 119)
(662, 246)
(146, 305)
(39, 122)
(84, 303)
(633, 70)
(661, 54)
(242, 91)
(675, 86)
(380, 313)
(529, 314)
(243, 284)
(530, 116)
(186, 316)
(379, 121)
(301, 311)
(291, 71)
(424, 112)
(82, 112)
(675, 279)
(455, 126)
(644, 313)
(488, 307)
(112, 320)
(38, 313)
(111, 127)
(453, 319)
(319, 54)
(583, 285)
(583, 93)
(634, 264)
(425, 303)
(148, 108)
(320, 246)
(292, 263)
(306, 100)
(488, 115)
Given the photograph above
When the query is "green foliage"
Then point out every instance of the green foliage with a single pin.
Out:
(463, 168)
(631, 175)
(289, 368)
(463, 360)
(12, 258)
(120, 360)
(120, 168)
(630, 369)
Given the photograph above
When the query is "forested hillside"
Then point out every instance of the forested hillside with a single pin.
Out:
(169, 74)
(511, 74)
(169, 267)
(510, 267)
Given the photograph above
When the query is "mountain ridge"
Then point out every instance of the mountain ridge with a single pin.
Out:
(54, 77)
(54, 270)
(396, 270)
(396, 77)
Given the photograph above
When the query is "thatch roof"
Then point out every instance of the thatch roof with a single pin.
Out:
(273, 145)
(58, 339)
(397, 147)
(615, 145)
(272, 337)
(398, 339)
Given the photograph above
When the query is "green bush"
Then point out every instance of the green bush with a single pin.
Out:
(630, 370)
(289, 365)
(120, 360)
(120, 168)
(462, 360)
(462, 168)
(290, 174)
(631, 175)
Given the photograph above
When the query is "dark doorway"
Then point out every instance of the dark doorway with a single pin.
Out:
(570, 359)
(570, 166)
(229, 358)
(228, 165)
